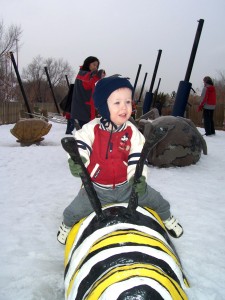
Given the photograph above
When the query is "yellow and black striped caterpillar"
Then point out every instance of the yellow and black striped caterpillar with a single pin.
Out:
(122, 258)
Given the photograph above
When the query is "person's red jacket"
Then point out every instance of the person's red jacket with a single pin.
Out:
(209, 99)
(82, 102)
(66, 115)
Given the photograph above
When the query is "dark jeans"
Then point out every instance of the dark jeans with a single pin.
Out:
(81, 123)
(208, 121)
(70, 126)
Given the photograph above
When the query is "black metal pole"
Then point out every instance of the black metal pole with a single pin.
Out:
(184, 87)
(157, 89)
(194, 50)
(136, 80)
(149, 95)
(67, 81)
(50, 85)
(142, 88)
(156, 92)
(21, 85)
(155, 71)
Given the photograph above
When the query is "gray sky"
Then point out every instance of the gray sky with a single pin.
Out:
(124, 34)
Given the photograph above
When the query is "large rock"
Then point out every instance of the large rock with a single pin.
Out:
(181, 147)
(29, 131)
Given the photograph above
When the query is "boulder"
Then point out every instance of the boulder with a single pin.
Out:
(29, 131)
(181, 147)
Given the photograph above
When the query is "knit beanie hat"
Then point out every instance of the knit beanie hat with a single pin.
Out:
(104, 89)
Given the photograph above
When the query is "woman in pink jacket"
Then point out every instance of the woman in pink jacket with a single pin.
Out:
(208, 104)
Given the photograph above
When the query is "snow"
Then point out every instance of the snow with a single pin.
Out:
(36, 186)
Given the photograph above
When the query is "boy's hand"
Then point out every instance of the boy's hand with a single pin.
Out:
(140, 188)
(75, 169)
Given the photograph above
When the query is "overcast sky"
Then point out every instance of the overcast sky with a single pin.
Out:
(124, 34)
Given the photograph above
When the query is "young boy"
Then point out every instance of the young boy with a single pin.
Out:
(110, 148)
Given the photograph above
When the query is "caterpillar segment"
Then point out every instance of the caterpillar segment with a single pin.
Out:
(122, 258)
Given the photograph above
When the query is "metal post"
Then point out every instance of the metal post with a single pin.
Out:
(142, 88)
(136, 80)
(194, 50)
(21, 85)
(184, 87)
(67, 81)
(155, 71)
(156, 93)
(149, 94)
(53, 95)
(17, 56)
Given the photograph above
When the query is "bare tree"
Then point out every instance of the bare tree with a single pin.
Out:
(220, 87)
(57, 70)
(34, 77)
(36, 81)
(9, 38)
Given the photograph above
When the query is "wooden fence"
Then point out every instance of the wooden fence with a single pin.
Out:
(10, 112)
(196, 117)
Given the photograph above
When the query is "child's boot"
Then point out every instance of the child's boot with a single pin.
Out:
(173, 227)
(63, 233)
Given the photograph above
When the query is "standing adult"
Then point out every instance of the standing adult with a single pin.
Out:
(82, 107)
(70, 123)
(208, 104)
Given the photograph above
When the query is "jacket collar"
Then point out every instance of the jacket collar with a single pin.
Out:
(104, 124)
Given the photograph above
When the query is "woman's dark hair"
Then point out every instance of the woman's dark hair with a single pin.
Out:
(208, 80)
(88, 61)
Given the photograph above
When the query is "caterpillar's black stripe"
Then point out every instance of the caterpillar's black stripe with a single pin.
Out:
(109, 246)
(120, 214)
(140, 234)
(142, 292)
(121, 259)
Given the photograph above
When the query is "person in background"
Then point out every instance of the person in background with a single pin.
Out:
(134, 109)
(110, 147)
(208, 104)
(82, 107)
(70, 123)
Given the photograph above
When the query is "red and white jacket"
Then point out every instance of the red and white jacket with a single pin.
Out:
(111, 157)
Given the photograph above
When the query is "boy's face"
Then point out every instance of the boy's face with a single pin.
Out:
(120, 105)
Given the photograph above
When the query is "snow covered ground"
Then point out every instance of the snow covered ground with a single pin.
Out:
(36, 186)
